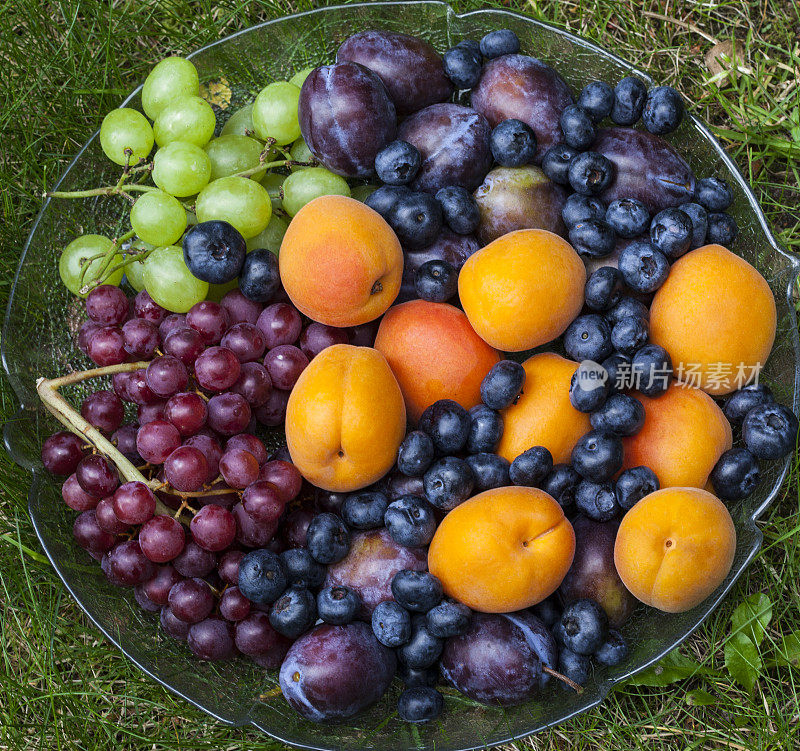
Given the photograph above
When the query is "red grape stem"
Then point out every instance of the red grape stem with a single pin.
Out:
(563, 678)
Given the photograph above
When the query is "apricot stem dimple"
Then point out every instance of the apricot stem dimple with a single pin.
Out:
(377, 287)
(668, 544)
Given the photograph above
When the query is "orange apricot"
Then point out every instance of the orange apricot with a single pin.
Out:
(716, 317)
(340, 262)
(684, 435)
(503, 550)
(345, 419)
(434, 353)
(523, 289)
(543, 414)
(675, 547)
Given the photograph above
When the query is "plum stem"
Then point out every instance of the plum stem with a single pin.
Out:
(563, 678)
(271, 693)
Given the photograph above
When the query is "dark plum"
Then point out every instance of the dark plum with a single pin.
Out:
(634, 484)
(663, 110)
(485, 429)
(416, 219)
(447, 423)
(597, 500)
(555, 163)
(410, 521)
(630, 95)
(448, 483)
(397, 163)
(364, 509)
(415, 454)
(448, 246)
(742, 401)
(713, 194)
(459, 209)
(499, 42)
(597, 98)
(294, 612)
(462, 66)
(722, 229)
(337, 605)
(391, 624)
(561, 483)
(735, 475)
(214, 251)
(583, 627)
(603, 288)
(597, 456)
(489, 470)
(769, 431)
(420, 704)
(513, 143)
(531, 467)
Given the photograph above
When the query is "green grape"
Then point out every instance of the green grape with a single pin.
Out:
(273, 182)
(169, 282)
(188, 118)
(181, 169)
(238, 201)
(272, 236)
(173, 77)
(158, 218)
(231, 154)
(275, 113)
(240, 122)
(79, 250)
(307, 184)
(362, 192)
(125, 128)
(301, 153)
(134, 271)
(301, 75)
(217, 291)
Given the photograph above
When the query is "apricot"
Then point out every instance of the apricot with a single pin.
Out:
(675, 547)
(345, 419)
(503, 550)
(543, 414)
(340, 262)
(684, 435)
(435, 354)
(523, 289)
(716, 317)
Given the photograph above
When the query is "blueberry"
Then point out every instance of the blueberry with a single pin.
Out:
(391, 624)
(547, 611)
(770, 431)
(462, 66)
(489, 470)
(588, 337)
(597, 456)
(556, 161)
(603, 288)
(415, 454)
(577, 127)
(447, 423)
(423, 648)
(644, 268)
(502, 384)
(327, 538)
(628, 217)
(574, 666)
(590, 173)
(262, 576)
(259, 279)
(651, 369)
(294, 612)
(485, 429)
(531, 467)
(473, 45)
(629, 335)
(583, 627)
(416, 219)
(513, 143)
(301, 569)
(337, 605)
(618, 367)
(627, 306)
(671, 232)
(448, 619)
(663, 110)
(459, 209)
(588, 388)
(634, 484)
(562, 483)
(448, 482)
(384, 199)
(365, 509)
(596, 500)
(436, 281)
(214, 251)
(699, 218)
(413, 677)
(592, 238)
(713, 194)
(410, 521)
(578, 208)
(740, 402)
(597, 98)
(499, 42)
(397, 163)
(613, 650)
(722, 229)
(622, 415)
(735, 475)
(630, 95)
(417, 591)
(419, 704)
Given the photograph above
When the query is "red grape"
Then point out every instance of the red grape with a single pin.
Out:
(254, 384)
(157, 588)
(228, 413)
(284, 364)
(104, 410)
(96, 475)
(75, 496)
(255, 637)
(166, 375)
(273, 411)
(245, 341)
(364, 335)
(107, 346)
(173, 322)
(249, 532)
(209, 319)
(239, 308)
(119, 384)
(129, 565)
(173, 626)
(194, 561)
(140, 338)
(143, 601)
(263, 502)
(156, 440)
(185, 344)
(191, 600)
(134, 503)
(89, 535)
(107, 519)
(248, 442)
(211, 448)
(221, 495)
(284, 476)
(124, 438)
(212, 639)
(107, 304)
(145, 307)
(213, 528)
(295, 527)
(162, 538)
(239, 468)
(233, 605)
(187, 412)
(85, 333)
(228, 567)
(146, 413)
(186, 469)
(318, 336)
(280, 323)
(61, 452)
(138, 390)
(217, 369)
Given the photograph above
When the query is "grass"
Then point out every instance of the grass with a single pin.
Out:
(63, 63)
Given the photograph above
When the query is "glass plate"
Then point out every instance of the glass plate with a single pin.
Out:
(38, 339)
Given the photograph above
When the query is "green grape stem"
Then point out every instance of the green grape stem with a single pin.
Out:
(103, 272)
(49, 392)
(120, 189)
